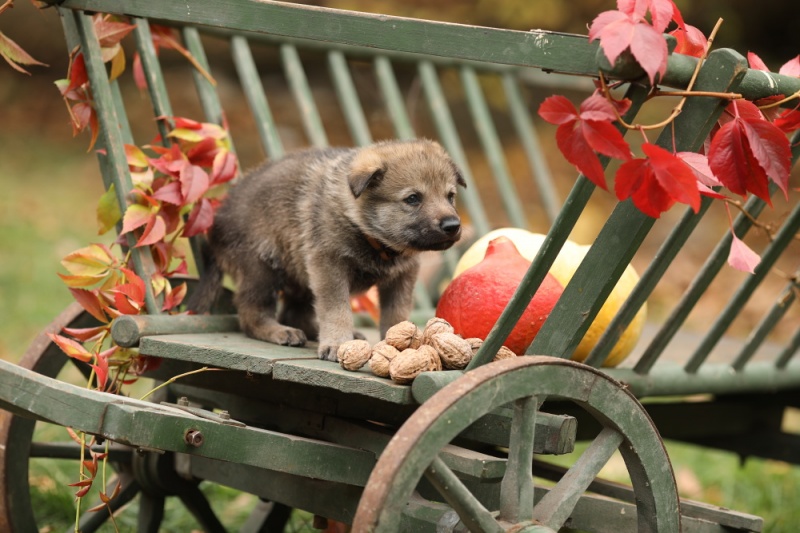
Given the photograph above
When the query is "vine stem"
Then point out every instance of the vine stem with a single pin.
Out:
(688, 92)
(6, 5)
(789, 98)
(173, 379)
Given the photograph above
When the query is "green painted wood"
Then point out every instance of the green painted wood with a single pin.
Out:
(472, 512)
(156, 87)
(551, 246)
(115, 161)
(448, 133)
(627, 227)
(490, 141)
(318, 373)
(256, 97)
(789, 351)
(529, 139)
(298, 83)
(668, 379)
(384, 73)
(233, 351)
(784, 236)
(555, 508)
(516, 489)
(128, 330)
(206, 91)
(348, 98)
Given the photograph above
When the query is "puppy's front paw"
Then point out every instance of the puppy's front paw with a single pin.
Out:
(287, 336)
(327, 352)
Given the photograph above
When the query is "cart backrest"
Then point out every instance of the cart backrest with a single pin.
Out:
(472, 79)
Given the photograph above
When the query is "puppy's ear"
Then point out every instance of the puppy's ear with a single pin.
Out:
(367, 169)
(459, 176)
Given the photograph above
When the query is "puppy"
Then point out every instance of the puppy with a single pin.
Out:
(320, 225)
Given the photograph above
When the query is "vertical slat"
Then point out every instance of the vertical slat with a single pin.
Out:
(767, 324)
(533, 148)
(298, 83)
(565, 221)
(451, 141)
(154, 77)
(256, 97)
(788, 352)
(487, 133)
(627, 227)
(393, 98)
(699, 285)
(113, 142)
(348, 98)
(650, 278)
(782, 239)
(206, 91)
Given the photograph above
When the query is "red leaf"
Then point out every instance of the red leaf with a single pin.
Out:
(101, 371)
(558, 110)
(71, 348)
(577, 151)
(109, 32)
(691, 41)
(597, 108)
(138, 72)
(699, 165)
(85, 334)
(791, 67)
(154, 231)
(675, 177)
(125, 305)
(77, 73)
(136, 216)
(202, 154)
(170, 193)
(137, 284)
(174, 297)
(15, 55)
(224, 167)
(606, 139)
(200, 219)
(619, 31)
(772, 150)
(788, 121)
(756, 62)
(741, 257)
(194, 182)
(90, 302)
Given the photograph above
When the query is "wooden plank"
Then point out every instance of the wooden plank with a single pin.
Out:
(319, 373)
(233, 351)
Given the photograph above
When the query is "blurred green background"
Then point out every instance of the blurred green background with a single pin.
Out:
(49, 186)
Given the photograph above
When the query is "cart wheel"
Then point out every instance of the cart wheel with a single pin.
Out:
(18, 446)
(522, 383)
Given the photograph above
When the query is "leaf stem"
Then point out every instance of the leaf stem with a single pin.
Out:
(175, 378)
(711, 94)
(789, 98)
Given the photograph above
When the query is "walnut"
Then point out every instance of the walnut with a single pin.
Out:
(454, 351)
(382, 355)
(404, 335)
(354, 354)
(503, 353)
(435, 325)
(411, 363)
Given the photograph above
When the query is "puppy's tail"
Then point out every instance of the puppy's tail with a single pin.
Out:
(209, 287)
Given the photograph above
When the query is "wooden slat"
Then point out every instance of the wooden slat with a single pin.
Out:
(298, 83)
(154, 77)
(393, 98)
(206, 90)
(348, 98)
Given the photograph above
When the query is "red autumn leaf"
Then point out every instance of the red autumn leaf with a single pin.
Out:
(791, 67)
(71, 348)
(100, 367)
(224, 167)
(90, 302)
(15, 55)
(136, 282)
(788, 121)
(74, 436)
(109, 32)
(77, 73)
(699, 165)
(200, 218)
(136, 216)
(558, 110)
(202, 154)
(654, 184)
(170, 193)
(756, 62)
(174, 297)
(125, 305)
(748, 149)
(661, 11)
(154, 231)
(741, 257)
(690, 40)
(619, 31)
(138, 72)
(85, 334)
(194, 182)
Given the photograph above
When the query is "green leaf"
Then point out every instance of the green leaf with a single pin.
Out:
(108, 212)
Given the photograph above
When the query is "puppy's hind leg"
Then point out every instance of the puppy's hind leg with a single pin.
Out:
(297, 311)
(256, 302)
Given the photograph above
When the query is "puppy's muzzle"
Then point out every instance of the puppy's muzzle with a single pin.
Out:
(451, 226)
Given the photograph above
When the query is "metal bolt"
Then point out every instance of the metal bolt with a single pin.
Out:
(224, 415)
(194, 437)
(183, 401)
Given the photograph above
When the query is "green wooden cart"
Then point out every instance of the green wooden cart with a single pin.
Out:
(458, 450)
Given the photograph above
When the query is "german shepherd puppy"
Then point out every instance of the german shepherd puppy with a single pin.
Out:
(317, 226)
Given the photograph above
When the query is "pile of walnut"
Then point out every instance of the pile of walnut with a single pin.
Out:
(408, 351)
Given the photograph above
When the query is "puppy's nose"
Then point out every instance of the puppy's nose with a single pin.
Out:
(450, 225)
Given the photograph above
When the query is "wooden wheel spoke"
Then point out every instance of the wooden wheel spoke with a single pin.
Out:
(197, 504)
(556, 506)
(516, 489)
(71, 450)
(472, 512)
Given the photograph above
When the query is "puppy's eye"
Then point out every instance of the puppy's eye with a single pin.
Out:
(413, 199)
(451, 198)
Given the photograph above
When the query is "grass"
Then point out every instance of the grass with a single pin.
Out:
(47, 210)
